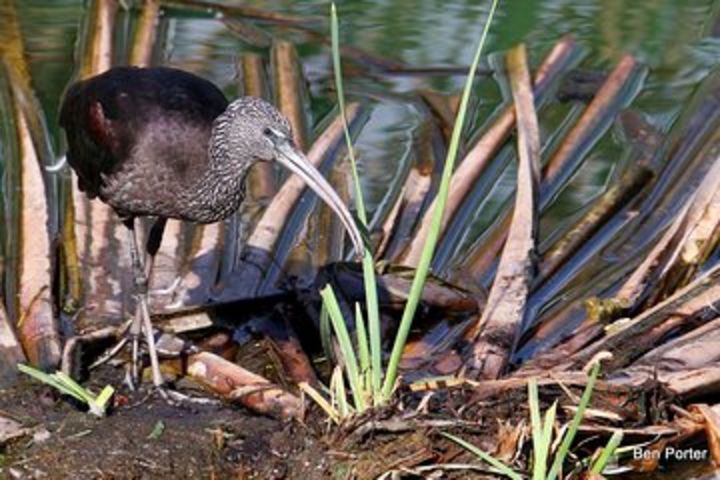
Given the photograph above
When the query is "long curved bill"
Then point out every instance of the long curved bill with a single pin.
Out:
(295, 161)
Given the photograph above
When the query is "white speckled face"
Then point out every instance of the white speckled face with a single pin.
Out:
(240, 131)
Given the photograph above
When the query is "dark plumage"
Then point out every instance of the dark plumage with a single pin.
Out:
(166, 143)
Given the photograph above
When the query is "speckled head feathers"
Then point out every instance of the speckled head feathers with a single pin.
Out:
(238, 133)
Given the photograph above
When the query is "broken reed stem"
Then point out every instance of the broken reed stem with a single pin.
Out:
(289, 89)
(234, 383)
(398, 228)
(145, 33)
(502, 316)
(654, 276)
(30, 299)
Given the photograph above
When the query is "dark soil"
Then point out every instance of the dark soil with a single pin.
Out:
(145, 437)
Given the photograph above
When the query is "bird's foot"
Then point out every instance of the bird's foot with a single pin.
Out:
(175, 398)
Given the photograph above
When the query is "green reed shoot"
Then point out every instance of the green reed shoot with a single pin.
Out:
(97, 404)
(436, 222)
(369, 384)
(542, 436)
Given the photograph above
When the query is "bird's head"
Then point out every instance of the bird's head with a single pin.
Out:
(252, 130)
(243, 130)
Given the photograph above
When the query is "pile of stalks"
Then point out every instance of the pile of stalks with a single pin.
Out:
(497, 313)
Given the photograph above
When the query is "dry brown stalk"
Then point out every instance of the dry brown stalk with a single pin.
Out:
(503, 313)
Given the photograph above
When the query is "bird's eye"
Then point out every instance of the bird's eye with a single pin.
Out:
(268, 132)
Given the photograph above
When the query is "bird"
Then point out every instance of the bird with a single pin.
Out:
(165, 143)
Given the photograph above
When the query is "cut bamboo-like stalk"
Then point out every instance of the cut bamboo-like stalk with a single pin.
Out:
(476, 161)
(141, 53)
(200, 274)
(595, 114)
(702, 236)
(254, 76)
(98, 51)
(261, 183)
(290, 89)
(236, 384)
(31, 289)
(37, 326)
(603, 210)
(685, 366)
(502, 316)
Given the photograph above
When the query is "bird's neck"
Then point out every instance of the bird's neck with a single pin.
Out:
(216, 194)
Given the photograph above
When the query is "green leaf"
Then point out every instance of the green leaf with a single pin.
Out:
(607, 452)
(66, 385)
(157, 430)
(369, 280)
(574, 424)
(346, 349)
(485, 457)
(363, 349)
(540, 448)
(436, 221)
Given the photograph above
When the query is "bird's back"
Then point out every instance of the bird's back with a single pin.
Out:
(133, 115)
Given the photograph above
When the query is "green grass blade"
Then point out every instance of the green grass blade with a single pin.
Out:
(549, 422)
(362, 346)
(74, 386)
(436, 221)
(369, 281)
(574, 424)
(104, 397)
(540, 448)
(51, 380)
(485, 457)
(607, 452)
(326, 334)
(543, 456)
(346, 347)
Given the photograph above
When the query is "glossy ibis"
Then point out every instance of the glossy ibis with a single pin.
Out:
(165, 143)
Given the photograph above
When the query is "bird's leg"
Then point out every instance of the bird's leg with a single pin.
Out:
(153, 244)
(142, 312)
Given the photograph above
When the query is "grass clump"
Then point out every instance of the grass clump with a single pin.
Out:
(542, 438)
(97, 404)
(370, 383)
